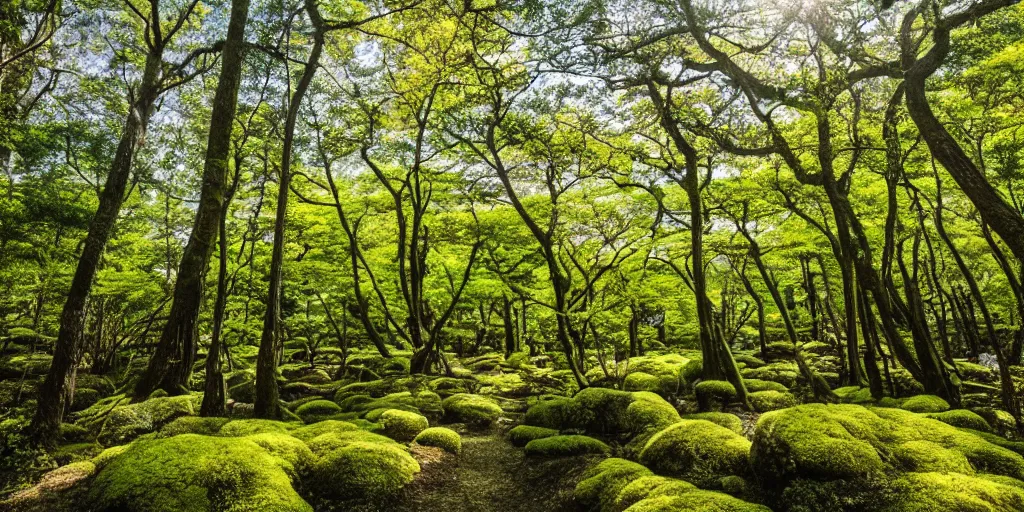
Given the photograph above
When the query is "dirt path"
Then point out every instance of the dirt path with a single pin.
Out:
(492, 475)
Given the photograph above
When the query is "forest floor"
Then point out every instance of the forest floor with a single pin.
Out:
(492, 475)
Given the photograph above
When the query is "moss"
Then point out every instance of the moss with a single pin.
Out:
(783, 372)
(239, 428)
(729, 421)
(440, 437)
(310, 432)
(108, 455)
(764, 401)
(604, 411)
(70, 432)
(929, 456)
(925, 403)
(193, 425)
(84, 397)
(602, 483)
(749, 360)
(640, 381)
(696, 501)
(755, 385)
(711, 393)
(427, 403)
(549, 413)
(244, 391)
(504, 384)
(930, 492)
(126, 422)
(648, 411)
(402, 425)
(962, 418)
(850, 442)
(452, 385)
(290, 449)
(698, 451)
(473, 409)
(359, 465)
(317, 410)
(523, 434)
(975, 372)
(57, 490)
(854, 395)
(692, 371)
(647, 487)
(195, 473)
(375, 388)
(560, 446)
(734, 485)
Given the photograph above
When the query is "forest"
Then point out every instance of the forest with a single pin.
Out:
(362, 255)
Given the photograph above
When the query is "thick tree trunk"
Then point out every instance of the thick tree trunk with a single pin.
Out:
(170, 368)
(61, 377)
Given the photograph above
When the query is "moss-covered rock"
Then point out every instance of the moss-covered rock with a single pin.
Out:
(934, 491)
(246, 427)
(440, 437)
(604, 411)
(402, 425)
(697, 451)
(727, 420)
(472, 409)
(764, 401)
(602, 482)
(560, 446)
(193, 425)
(359, 465)
(126, 422)
(714, 393)
(925, 403)
(783, 372)
(829, 453)
(962, 418)
(650, 487)
(696, 501)
(755, 385)
(310, 432)
(317, 410)
(641, 381)
(195, 473)
(288, 448)
(523, 434)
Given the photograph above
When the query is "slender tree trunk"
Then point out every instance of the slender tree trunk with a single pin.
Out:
(61, 376)
(170, 368)
(214, 390)
(267, 405)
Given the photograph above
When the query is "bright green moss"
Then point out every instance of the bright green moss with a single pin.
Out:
(549, 413)
(193, 425)
(560, 446)
(962, 418)
(402, 425)
(648, 486)
(931, 492)
(648, 411)
(359, 465)
(925, 403)
(854, 395)
(749, 360)
(975, 372)
(714, 393)
(317, 410)
(697, 451)
(755, 385)
(696, 501)
(452, 385)
(640, 381)
(473, 409)
(783, 372)
(126, 422)
(291, 450)
(195, 473)
(248, 427)
(523, 434)
(727, 420)
(764, 401)
(928, 456)
(108, 455)
(440, 437)
(603, 482)
(734, 485)
(692, 371)
(309, 432)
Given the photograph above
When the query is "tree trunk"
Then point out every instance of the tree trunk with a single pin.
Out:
(170, 368)
(61, 375)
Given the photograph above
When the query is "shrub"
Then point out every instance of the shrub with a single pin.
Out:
(402, 425)
(473, 409)
(523, 434)
(195, 473)
(560, 446)
(440, 437)
(698, 451)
